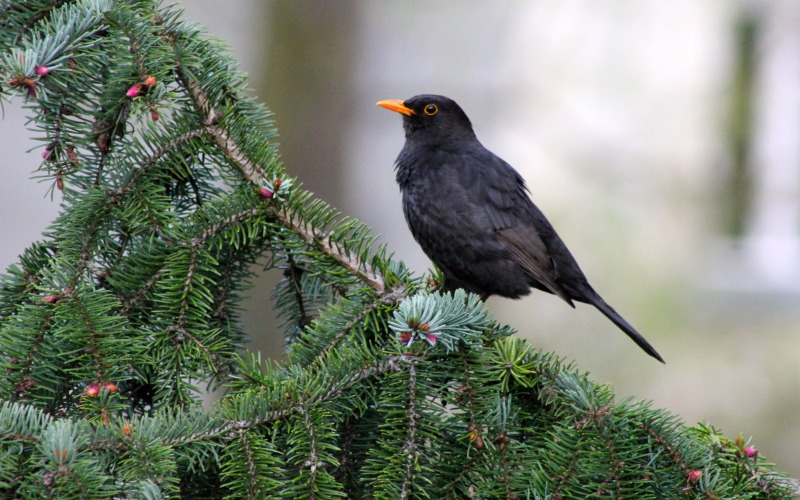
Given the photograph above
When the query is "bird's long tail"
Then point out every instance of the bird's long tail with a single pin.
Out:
(597, 301)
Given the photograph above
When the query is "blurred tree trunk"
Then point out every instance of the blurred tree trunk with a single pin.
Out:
(310, 52)
(311, 55)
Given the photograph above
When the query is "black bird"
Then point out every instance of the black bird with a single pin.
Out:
(470, 212)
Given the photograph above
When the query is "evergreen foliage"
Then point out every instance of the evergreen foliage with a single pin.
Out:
(129, 306)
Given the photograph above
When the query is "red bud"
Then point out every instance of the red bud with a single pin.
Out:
(91, 390)
(695, 475)
(266, 193)
(134, 91)
(72, 155)
(53, 298)
(42, 70)
(110, 386)
(149, 81)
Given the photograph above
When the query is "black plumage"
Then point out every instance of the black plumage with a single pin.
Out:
(470, 212)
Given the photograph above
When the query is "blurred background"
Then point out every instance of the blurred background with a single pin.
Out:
(662, 139)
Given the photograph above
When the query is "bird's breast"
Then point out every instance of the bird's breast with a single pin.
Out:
(437, 202)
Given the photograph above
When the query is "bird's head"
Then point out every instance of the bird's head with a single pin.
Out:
(432, 118)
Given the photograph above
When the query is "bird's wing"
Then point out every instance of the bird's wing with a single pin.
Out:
(514, 217)
(529, 251)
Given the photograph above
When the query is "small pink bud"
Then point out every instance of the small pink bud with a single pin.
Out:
(53, 298)
(405, 337)
(47, 154)
(91, 390)
(695, 475)
(750, 452)
(42, 70)
(72, 155)
(431, 338)
(266, 193)
(134, 91)
(110, 386)
(149, 81)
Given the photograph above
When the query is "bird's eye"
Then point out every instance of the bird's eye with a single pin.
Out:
(431, 109)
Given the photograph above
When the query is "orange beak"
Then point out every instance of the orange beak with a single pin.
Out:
(395, 105)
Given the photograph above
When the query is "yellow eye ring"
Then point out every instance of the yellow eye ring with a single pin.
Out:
(431, 109)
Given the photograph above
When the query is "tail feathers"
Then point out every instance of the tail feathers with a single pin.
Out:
(630, 331)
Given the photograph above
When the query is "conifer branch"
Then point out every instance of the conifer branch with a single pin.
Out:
(283, 409)
(346, 462)
(230, 221)
(226, 288)
(182, 334)
(134, 299)
(255, 174)
(466, 393)
(347, 328)
(662, 441)
(26, 382)
(410, 447)
(169, 147)
(363, 271)
(183, 304)
(92, 334)
(502, 441)
(312, 463)
(293, 274)
(85, 254)
(567, 474)
(614, 478)
(252, 488)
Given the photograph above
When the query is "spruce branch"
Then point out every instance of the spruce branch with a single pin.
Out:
(98, 361)
(353, 322)
(312, 462)
(168, 148)
(568, 474)
(25, 382)
(410, 448)
(251, 465)
(255, 174)
(278, 408)
(293, 274)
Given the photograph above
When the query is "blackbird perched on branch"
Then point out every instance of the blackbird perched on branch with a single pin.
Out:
(470, 212)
